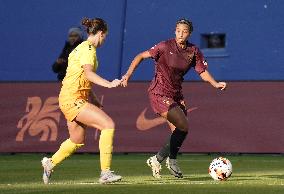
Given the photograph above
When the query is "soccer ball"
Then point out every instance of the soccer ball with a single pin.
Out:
(220, 169)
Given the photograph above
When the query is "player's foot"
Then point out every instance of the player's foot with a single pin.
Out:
(174, 168)
(109, 177)
(155, 166)
(47, 169)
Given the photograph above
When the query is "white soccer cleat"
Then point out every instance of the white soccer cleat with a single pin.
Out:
(47, 169)
(155, 166)
(109, 177)
(173, 167)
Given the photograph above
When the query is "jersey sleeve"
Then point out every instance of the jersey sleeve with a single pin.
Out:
(88, 56)
(200, 63)
(157, 50)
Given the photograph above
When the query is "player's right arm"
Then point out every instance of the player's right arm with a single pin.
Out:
(134, 64)
(155, 52)
(96, 79)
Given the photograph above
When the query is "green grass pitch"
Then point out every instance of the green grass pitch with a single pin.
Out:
(21, 173)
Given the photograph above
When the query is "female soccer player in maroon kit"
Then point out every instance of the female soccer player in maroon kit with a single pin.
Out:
(173, 59)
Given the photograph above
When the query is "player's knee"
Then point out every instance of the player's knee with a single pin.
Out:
(183, 126)
(77, 139)
(109, 124)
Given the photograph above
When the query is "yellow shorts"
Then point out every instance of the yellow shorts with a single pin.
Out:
(72, 107)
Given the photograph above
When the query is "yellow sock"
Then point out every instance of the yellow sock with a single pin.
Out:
(105, 145)
(66, 149)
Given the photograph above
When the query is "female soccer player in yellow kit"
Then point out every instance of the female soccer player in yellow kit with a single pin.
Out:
(74, 103)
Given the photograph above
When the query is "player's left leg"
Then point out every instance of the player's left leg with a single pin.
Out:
(177, 117)
(67, 148)
(164, 152)
(155, 161)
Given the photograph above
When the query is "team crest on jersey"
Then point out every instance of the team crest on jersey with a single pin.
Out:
(166, 101)
(41, 120)
(190, 57)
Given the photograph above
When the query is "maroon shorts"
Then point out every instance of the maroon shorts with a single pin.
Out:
(161, 104)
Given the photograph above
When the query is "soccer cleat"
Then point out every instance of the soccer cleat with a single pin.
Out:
(47, 169)
(155, 165)
(109, 177)
(173, 167)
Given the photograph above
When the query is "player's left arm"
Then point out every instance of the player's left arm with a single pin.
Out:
(206, 76)
(201, 68)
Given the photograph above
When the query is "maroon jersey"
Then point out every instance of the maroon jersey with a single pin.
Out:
(171, 64)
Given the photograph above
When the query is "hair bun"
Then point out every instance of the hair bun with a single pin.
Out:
(94, 25)
(86, 22)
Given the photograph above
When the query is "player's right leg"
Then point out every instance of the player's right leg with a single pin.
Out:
(97, 118)
(67, 148)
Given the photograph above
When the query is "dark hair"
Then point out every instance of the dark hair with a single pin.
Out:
(94, 25)
(187, 22)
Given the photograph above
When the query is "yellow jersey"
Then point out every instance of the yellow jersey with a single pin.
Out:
(75, 84)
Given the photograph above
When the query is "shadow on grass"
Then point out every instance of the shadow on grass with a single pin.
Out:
(233, 178)
(179, 180)
(273, 176)
(240, 179)
(198, 178)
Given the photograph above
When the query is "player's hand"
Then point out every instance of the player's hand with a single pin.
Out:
(221, 85)
(124, 80)
(115, 83)
(182, 102)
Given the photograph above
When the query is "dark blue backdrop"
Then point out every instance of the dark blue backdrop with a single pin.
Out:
(33, 33)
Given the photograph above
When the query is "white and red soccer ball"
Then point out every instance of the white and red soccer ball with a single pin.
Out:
(220, 169)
